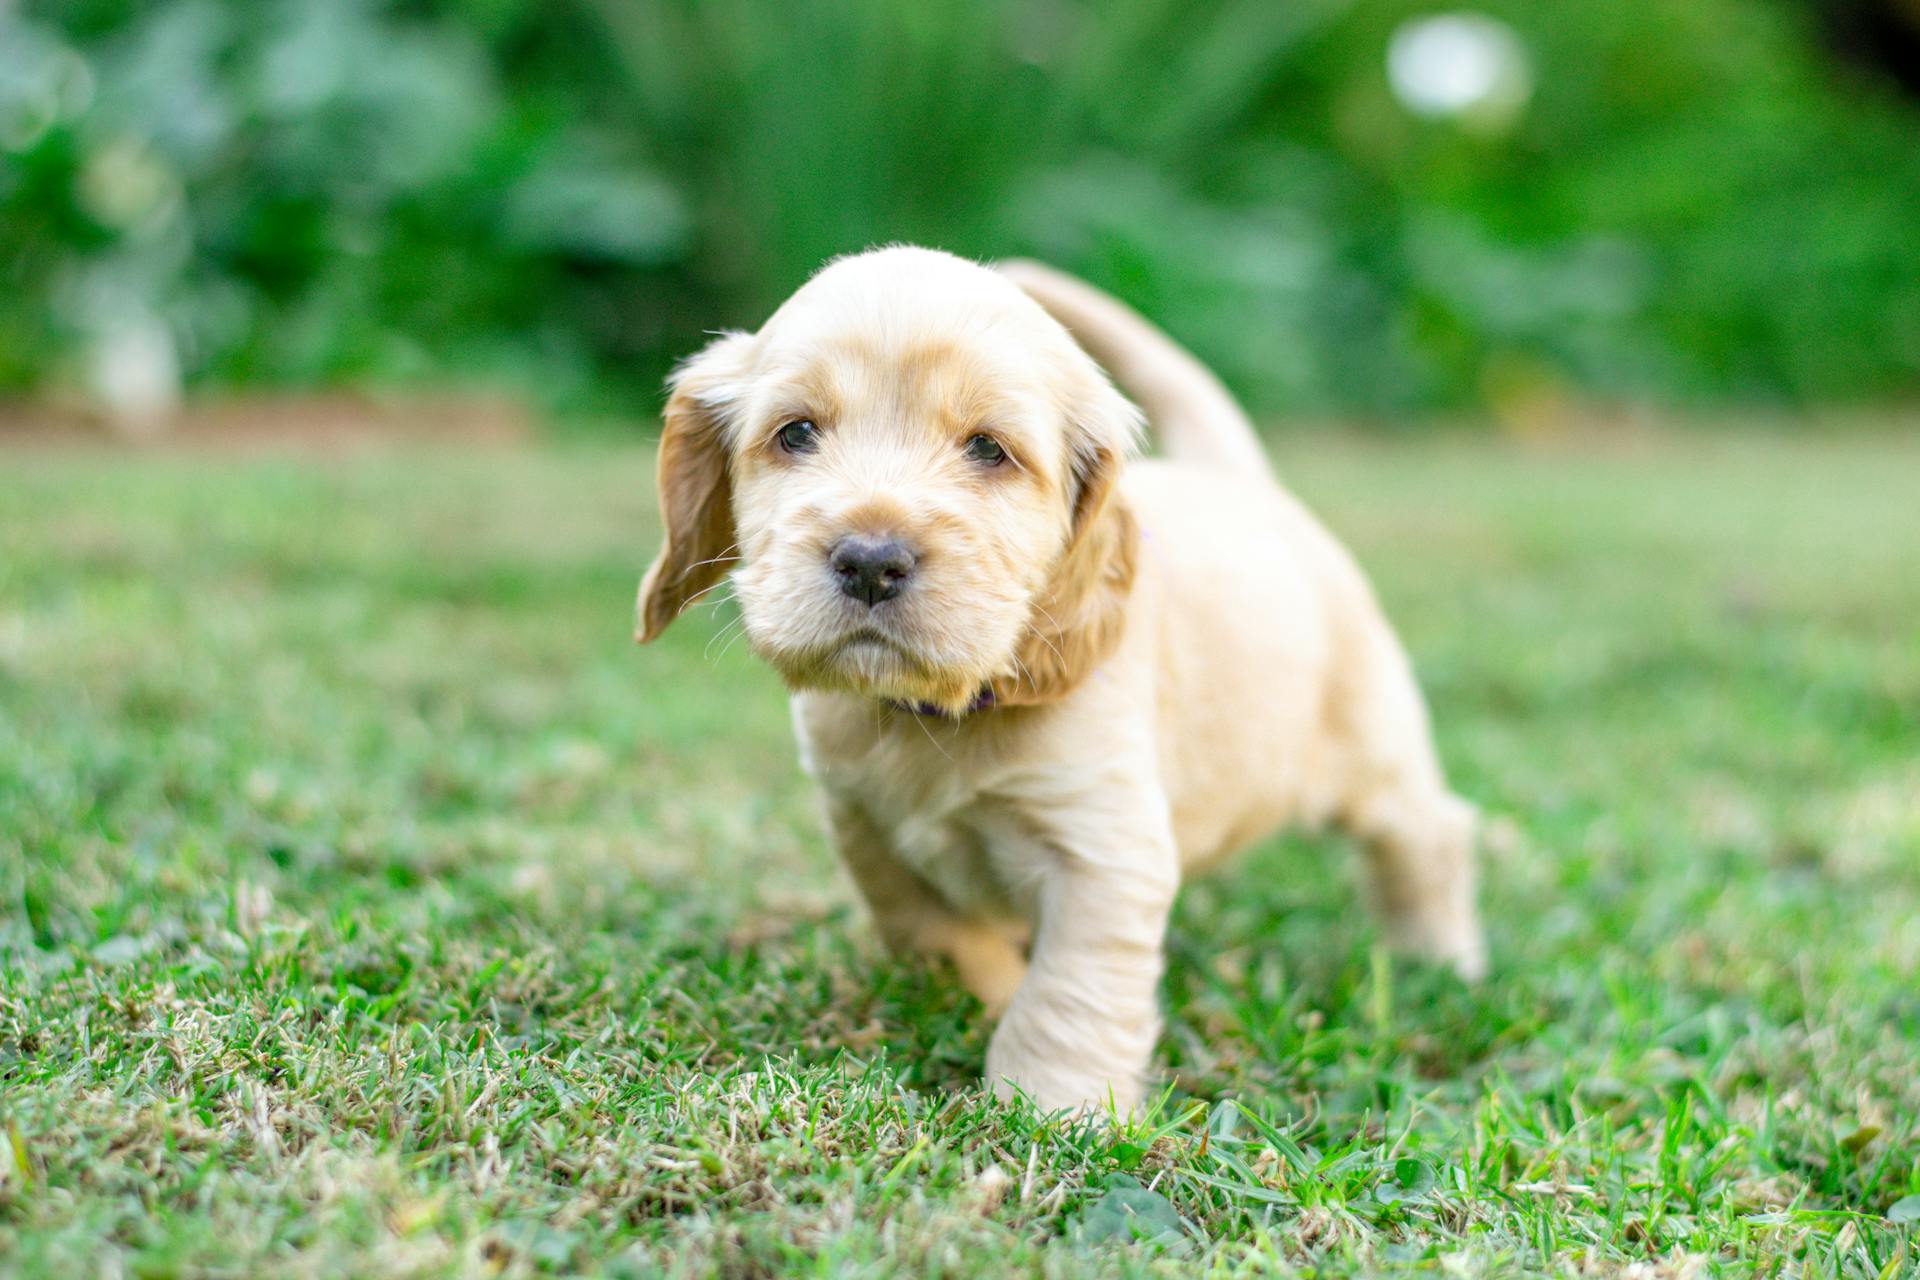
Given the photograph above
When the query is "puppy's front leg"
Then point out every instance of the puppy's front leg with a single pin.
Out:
(1082, 1027)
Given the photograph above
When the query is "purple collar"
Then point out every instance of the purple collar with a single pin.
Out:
(982, 701)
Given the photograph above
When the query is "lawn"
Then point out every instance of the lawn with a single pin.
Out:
(370, 906)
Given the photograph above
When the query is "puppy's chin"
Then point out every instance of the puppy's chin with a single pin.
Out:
(871, 665)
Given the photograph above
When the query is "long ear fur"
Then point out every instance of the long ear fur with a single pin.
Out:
(1079, 617)
(696, 497)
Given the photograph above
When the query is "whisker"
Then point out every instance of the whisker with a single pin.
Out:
(922, 722)
(732, 623)
(695, 597)
(724, 555)
(725, 649)
(1042, 636)
(718, 636)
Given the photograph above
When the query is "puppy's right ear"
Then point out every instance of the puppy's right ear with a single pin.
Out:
(696, 497)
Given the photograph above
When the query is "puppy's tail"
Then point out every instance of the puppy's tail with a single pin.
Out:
(1196, 418)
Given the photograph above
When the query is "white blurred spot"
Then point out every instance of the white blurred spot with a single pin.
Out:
(136, 373)
(1459, 66)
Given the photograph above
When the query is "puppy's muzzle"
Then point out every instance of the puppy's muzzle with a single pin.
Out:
(870, 568)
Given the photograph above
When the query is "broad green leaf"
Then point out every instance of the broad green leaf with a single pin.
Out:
(1411, 1180)
(1130, 1213)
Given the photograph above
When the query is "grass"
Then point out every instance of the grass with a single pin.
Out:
(369, 906)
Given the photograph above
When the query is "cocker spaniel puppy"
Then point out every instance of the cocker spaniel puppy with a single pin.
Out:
(1039, 683)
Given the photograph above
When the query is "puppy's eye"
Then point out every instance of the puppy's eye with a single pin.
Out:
(799, 436)
(986, 449)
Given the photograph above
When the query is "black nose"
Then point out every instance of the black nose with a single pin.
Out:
(870, 568)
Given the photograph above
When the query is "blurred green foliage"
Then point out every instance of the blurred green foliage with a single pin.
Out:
(1694, 204)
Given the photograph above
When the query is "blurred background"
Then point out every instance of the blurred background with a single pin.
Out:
(1388, 212)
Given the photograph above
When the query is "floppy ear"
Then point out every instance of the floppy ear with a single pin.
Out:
(1080, 614)
(696, 497)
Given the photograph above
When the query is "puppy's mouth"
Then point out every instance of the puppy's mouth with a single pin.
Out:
(871, 652)
(872, 661)
(886, 652)
(872, 636)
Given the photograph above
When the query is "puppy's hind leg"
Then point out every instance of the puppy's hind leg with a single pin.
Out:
(1418, 837)
(1419, 850)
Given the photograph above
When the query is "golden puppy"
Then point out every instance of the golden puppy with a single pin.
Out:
(1039, 683)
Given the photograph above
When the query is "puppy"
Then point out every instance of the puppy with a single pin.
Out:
(1039, 683)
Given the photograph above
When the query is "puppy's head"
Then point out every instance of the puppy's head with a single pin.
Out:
(909, 472)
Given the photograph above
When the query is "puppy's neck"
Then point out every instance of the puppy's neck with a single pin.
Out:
(985, 700)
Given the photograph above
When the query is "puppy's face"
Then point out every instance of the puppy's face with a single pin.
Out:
(903, 470)
(899, 499)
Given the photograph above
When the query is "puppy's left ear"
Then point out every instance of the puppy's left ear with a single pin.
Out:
(1079, 617)
(696, 495)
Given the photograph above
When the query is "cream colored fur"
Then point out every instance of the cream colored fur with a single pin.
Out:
(1183, 659)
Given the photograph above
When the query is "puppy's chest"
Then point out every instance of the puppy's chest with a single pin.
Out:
(972, 852)
(956, 831)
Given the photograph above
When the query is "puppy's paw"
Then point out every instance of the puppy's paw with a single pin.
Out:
(1453, 940)
(1079, 1093)
(1057, 1080)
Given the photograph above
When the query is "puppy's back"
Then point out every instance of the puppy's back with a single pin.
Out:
(1194, 416)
